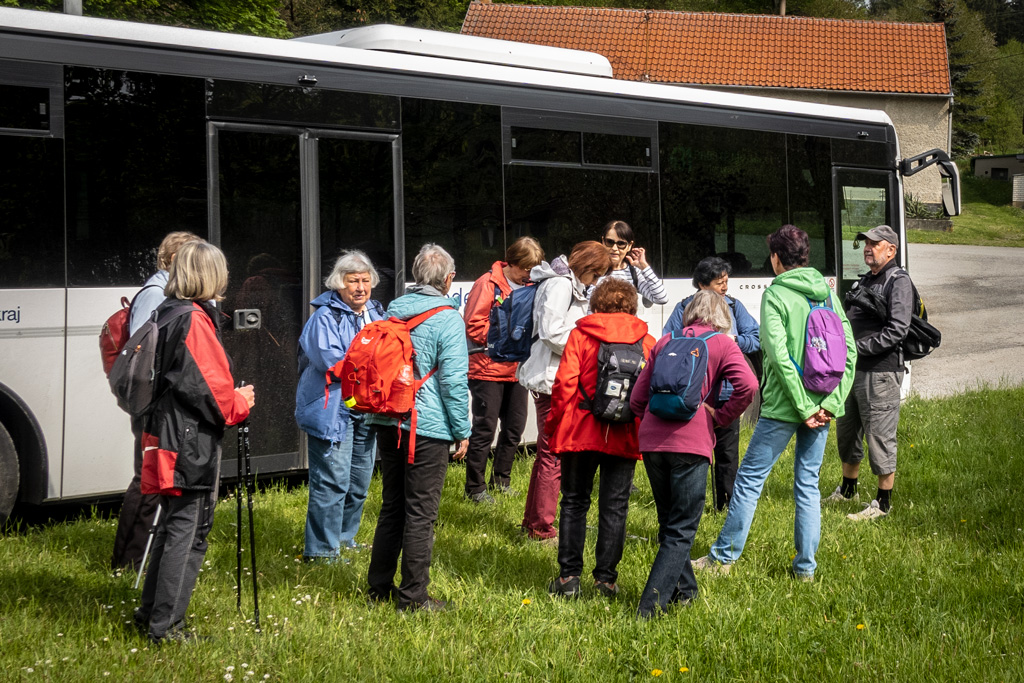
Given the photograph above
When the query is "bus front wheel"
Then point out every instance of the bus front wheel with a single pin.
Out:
(9, 474)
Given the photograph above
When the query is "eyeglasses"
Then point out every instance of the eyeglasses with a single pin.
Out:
(621, 244)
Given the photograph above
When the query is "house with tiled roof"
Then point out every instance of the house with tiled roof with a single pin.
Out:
(900, 68)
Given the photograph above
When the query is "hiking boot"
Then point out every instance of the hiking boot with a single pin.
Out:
(871, 511)
(566, 588)
(607, 589)
(431, 604)
(375, 597)
(706, 564)
(179, 634)
(837, 497)
(482, 497)
(140, 621)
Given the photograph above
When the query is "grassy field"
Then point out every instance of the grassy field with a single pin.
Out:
(933, 592)
(988, 218)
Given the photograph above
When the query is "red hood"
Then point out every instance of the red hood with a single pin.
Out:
(616, 328)
(498, 274)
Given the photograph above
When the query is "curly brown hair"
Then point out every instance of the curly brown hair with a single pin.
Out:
(614, 296)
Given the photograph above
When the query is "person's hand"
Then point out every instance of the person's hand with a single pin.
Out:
(711, 411)
(461, 448)
(638, 257)
(248, 394)
(812, 422)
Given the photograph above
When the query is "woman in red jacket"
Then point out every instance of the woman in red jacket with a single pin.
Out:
(677, 453)
(496, 393)
(181, 437)
(585, 443)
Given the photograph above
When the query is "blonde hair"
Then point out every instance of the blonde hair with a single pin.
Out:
(170, 246)
(710, 308)
(351, 261)
(198, 273)
(525, 252)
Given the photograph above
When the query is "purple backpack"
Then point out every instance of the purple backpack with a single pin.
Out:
(824, 349)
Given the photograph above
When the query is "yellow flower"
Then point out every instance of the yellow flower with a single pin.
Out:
(860, 627)
(963, 521)
(684, 669)
(656, 672)
(911, 445)
(527, 601)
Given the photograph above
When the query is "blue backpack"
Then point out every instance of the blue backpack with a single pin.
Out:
(824, 349)
(677, 380)
(510, 334)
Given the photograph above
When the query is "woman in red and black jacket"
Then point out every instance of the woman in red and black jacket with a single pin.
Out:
(585, 443)
(181, 438)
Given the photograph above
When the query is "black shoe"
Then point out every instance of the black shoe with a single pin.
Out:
(607, 589)
(566, 588)
(429, 605)
(140, 622)
(505, 490)
(179, 634)
(482, 497)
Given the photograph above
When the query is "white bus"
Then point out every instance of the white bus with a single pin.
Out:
(285, 152)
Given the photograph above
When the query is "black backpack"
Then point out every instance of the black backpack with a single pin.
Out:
(134, 373)
(618, 366)
(922, 337)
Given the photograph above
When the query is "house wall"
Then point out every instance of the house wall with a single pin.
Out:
(922, 124)
(983, 166)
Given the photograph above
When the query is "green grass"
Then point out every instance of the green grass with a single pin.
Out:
(933, 592)
(988, 217)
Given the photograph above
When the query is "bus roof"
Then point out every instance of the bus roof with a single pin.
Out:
(109, 31)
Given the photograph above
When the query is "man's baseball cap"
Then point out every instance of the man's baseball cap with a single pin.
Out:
(881, 233)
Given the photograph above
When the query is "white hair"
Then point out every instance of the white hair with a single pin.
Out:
(432, 266)
(351, 261)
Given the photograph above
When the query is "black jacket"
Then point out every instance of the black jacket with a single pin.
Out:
(879, 340)
(197, 400)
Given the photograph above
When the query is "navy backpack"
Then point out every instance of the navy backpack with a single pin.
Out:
(677, 380)
(510, 334)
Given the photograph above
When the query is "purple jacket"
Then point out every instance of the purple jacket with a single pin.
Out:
(697, 436)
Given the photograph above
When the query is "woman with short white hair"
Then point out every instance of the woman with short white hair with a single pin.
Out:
(340, 444)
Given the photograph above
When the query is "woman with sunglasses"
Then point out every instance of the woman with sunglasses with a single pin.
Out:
(629, 263)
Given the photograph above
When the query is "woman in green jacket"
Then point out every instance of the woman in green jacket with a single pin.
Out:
(787, 407)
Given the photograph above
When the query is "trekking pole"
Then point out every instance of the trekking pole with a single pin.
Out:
(238, 515)
(149, 544)
(250, 488)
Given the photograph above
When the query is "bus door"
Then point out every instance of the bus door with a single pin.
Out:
(863, 199)
(285, 201)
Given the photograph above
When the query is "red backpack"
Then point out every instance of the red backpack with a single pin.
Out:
(116, 330)
(377, 373)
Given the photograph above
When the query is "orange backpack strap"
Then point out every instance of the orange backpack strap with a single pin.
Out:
(417, 319)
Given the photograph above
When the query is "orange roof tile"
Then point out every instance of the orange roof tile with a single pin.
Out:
(702, 48)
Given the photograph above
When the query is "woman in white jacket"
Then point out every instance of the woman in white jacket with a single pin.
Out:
(560, 301)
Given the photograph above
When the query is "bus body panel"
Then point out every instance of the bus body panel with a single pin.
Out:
(32, 364)
(98, 450)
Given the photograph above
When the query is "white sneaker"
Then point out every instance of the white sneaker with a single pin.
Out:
(872, 511)
(706, 564)
(837, 497)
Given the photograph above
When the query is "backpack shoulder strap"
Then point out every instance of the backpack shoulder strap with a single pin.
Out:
(422, 317)
(132, 304)
(634, 275)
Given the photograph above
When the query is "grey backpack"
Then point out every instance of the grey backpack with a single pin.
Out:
(133, 375)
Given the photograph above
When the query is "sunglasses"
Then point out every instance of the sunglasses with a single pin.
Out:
(621, 244)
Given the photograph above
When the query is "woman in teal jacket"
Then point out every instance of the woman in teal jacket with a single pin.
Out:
(411, 483)
(787, 408)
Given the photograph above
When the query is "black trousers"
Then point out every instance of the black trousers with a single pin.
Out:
(494, 401)
(411, 495)
(137, 512)
(178, 553)
(727, 461)
(578, 471)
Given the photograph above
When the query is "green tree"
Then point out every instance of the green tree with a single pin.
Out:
(254, 17)
(963, 79)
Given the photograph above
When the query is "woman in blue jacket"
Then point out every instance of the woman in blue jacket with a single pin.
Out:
(341, 445)
(712, 274)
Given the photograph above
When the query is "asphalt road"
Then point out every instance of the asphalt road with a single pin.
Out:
(975, 296)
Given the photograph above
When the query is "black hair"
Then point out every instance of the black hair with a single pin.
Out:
(710, 268)
(621, 229)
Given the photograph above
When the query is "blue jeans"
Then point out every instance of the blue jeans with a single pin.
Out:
(339, 477)
(678, 482)
(769, 440)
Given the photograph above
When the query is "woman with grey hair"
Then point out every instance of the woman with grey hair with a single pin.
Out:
(340, 443)
(411, 482)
